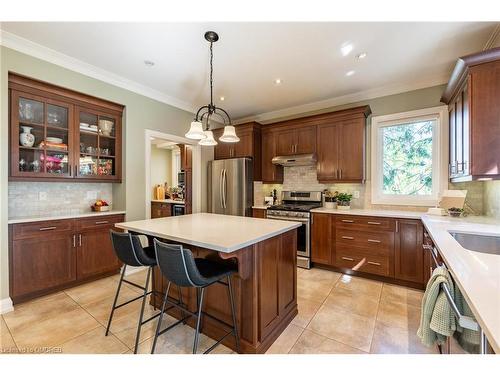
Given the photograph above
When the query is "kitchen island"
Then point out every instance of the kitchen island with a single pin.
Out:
(265, 286)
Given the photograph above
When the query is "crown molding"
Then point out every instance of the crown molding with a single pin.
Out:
(305, 109)
(41, 52)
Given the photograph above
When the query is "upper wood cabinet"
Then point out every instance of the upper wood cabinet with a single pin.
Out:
(474, 117)
(341, 146)
(296, 141)
(249, 146)
(59, 134)
(271, 173)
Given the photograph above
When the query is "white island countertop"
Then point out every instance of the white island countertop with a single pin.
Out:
(222, 233)
(476, 274)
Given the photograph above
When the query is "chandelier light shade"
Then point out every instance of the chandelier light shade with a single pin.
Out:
(206, 112)
(208, 140)
(229, 135)
(196, 131)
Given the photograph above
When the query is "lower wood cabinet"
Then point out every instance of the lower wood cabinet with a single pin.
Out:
(52, 255)
(159, 209)
(260, 213)
(386, 247)
(322, 239)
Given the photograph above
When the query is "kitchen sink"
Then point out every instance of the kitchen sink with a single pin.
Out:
(478, 242)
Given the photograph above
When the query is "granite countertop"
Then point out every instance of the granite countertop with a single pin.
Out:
(476, 274)
(30, 219)
(175, 201)
(223, 233)
(372, 212)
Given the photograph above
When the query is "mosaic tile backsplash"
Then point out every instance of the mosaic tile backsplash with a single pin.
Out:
(27, 199)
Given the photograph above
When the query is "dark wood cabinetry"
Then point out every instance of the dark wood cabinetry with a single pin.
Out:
(341, 146)
(52, 255)
(187, 167)
(72, 136)
(260, 213)
(249, 146)
(160, 209)
(296, 141)
(474, 117)
(271, 173)
(322, 239)
(386, 248)
(409, 254)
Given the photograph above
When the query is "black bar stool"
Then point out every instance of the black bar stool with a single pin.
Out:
(129, 250)
(180, 267)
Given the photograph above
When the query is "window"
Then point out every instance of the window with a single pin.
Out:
(408, 157)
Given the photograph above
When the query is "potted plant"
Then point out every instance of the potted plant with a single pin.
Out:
(331, 199)
(344, 201)
(455, 211)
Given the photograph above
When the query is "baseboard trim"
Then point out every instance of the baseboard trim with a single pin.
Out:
(6, 306)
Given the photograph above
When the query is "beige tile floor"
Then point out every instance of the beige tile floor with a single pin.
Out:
(337, 314)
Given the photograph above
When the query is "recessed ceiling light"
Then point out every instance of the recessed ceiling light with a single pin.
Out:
(361, 56)
(350, 73)
(346, 48)
(277, 81)
(222, 98)
(149, 63)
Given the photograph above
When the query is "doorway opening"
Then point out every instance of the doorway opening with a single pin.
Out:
(173, 175)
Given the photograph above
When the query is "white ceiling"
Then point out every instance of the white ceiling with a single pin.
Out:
(249, 56)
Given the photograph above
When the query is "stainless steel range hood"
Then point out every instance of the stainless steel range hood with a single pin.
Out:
(295, 160)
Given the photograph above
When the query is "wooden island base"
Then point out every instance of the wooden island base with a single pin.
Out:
(265, 289)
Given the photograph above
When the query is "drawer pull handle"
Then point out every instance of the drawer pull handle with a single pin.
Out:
(374, 223)
(349, 259)
(374, 263)
(102, 222)
(46, 228)
(79, 240)
(348, 221)
(374, 241)
(347, 237)
(74, 240)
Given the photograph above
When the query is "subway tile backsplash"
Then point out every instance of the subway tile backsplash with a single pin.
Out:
(27, 199)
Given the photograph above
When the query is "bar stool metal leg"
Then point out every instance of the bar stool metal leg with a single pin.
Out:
(198, 322)
(160, 318)
(483, 349)
(115, 300)
(233, 313)
(183, 315)
(139, 326)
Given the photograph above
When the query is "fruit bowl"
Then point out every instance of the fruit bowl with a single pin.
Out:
(100, 206)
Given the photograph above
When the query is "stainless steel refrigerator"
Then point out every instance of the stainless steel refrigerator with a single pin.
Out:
(230, 187)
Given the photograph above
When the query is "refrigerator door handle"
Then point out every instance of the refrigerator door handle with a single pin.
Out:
(221, 178)
(224, 186)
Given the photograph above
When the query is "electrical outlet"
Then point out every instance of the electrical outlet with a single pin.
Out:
(42, 196)
(92, 194)
(355, 194)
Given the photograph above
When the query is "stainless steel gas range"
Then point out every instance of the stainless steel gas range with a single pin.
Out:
(296, 206)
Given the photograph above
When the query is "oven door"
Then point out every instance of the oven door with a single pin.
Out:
(303, 233)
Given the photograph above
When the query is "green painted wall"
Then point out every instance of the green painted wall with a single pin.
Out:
(140, 113)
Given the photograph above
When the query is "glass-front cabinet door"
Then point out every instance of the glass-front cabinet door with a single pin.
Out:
(41, 137)
(99, 151)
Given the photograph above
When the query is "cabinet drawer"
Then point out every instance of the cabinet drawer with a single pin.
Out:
(365, 223)
(375, 242)
(98, 222)
(349, 257)
(28, 230)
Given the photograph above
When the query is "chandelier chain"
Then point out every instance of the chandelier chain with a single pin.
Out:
(211, 74)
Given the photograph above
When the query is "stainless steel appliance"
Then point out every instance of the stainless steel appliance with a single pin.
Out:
(295, 161)
(181, 179)
(177, 209)
(230, 187)
(295, 206)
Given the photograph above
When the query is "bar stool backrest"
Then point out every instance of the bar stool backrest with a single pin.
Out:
(125, 245)
(177, 265)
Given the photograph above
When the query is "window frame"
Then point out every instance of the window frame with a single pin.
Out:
(439, 156)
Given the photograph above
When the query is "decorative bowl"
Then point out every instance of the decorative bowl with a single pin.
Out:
(106, 127)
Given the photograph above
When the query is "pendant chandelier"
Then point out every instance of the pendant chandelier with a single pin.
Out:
(204, 134)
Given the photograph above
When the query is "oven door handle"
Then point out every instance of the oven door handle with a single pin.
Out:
(302, 220)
